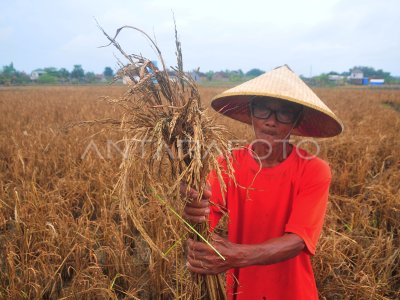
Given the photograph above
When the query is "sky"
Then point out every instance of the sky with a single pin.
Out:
(311, 36)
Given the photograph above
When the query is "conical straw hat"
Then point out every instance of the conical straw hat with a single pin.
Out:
(282, 84)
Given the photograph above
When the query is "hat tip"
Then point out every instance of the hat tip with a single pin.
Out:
(284, 66)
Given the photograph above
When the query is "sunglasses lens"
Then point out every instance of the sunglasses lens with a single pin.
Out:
(286, 117)
(261, 112)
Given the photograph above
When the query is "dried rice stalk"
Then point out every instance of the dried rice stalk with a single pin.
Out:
(169, 140)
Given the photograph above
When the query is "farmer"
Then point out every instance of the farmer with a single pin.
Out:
(277, 200)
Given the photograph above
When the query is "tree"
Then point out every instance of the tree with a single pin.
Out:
(51, 71)
(322, 80)
(236, 75)
(210, 75)
(9, 75)
(47, 79)
(108, 72)
(345, 73)
(90, 77)
(77, 73)
(9, 70)
(254, 72)
(63, 74)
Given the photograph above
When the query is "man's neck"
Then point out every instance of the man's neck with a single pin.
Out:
(271, 157)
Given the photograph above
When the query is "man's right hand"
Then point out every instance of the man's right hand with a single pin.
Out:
(196, 211)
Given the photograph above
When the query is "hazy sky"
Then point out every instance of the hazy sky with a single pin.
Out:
(311, 36)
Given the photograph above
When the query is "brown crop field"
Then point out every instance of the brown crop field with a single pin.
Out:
(61, 235)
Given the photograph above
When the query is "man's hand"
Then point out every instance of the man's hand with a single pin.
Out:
(202, 259)
(196, 211)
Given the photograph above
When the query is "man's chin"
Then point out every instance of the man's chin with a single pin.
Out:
(271, 140)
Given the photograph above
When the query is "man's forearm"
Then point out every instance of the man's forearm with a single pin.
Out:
(270, 252)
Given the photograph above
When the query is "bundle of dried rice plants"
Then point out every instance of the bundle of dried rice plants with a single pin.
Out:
(169, 141)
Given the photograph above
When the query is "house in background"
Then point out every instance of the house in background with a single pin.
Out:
(337, 79)
(356, 77)
(356, 74)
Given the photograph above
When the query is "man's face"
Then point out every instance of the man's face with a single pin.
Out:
(273, 119)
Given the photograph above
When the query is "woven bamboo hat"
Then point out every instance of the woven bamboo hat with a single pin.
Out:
(282, 84)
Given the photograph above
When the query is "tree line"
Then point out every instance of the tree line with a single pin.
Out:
(50, 75)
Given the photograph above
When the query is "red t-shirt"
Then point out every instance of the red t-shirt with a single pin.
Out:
(265, 204)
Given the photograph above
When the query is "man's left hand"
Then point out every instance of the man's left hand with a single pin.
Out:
(203, 259)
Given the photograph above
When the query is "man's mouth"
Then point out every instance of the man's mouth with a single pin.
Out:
(268, 132)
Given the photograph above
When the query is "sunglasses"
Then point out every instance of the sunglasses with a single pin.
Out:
(262, 111)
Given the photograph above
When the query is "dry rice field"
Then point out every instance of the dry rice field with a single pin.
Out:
(61, 236)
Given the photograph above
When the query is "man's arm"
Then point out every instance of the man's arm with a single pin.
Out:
(202, 259)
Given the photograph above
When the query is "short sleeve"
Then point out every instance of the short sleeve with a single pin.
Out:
(309, 204)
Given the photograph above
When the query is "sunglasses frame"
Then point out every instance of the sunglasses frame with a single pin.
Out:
(296, 115)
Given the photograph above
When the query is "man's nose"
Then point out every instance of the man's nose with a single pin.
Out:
(271, 120)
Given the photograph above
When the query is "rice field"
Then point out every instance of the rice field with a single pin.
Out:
(61, 234)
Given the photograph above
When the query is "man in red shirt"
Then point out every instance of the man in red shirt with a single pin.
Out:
(277, 201)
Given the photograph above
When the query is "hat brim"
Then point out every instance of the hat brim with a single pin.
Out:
(314, 123)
